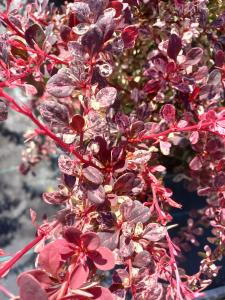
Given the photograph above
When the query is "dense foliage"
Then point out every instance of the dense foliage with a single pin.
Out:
(117, 89)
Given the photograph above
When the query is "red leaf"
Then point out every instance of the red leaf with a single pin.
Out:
(30, 288)
(118, 6)
(168, 112)
(77, 123)
(194, 94)
(90, 240)
(129, 36)
(103, 258)
(79, 276)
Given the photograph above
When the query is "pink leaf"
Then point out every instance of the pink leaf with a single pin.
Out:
(165, 147)
(79, 276)
(30, 288)
(196, 163)
(90, 240)
(33, 216)
(103, 258)
(193, 57)
(194, 137)
(50, 257)
(168, 112)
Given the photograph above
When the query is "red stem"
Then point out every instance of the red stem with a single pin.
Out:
(19, 254)
(46, 130)
(7, 266)
(154, 136)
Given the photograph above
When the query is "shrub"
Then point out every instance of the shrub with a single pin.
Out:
(115, 88)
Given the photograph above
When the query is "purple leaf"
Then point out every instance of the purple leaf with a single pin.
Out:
(107, 26)
(61, 84)
(96, 195)
(214, 78)
(82, 11)
(124, 183)
(97, 6)
(54, 114)
(35, 35)
(219, 58)
(109, 239)
(76, 50)
(54, 197)
(30, 288)
(92, 40)
(65, 32)
(66, 164)
(174, 46)
(73, 235)
(135, 211)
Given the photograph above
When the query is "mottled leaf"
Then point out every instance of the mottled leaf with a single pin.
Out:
(154, 232)
(96, 195)
(93, 175)
(61, 84)
(35, 35)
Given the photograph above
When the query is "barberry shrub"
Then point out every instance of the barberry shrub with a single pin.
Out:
(115, 88)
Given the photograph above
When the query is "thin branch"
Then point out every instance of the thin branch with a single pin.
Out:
(44, 130)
